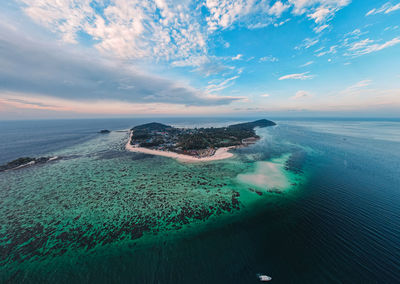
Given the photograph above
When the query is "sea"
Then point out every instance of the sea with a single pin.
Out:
(313, 201)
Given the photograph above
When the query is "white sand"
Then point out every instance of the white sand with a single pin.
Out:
(267, 175)
(220, 154)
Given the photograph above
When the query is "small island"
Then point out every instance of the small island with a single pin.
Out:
(104, 131)
(193, 144)
(25, 162)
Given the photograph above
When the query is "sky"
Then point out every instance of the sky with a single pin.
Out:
(129, 58)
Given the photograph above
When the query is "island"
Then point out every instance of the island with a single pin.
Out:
(193, 144)
(104, 131)
(26, 162)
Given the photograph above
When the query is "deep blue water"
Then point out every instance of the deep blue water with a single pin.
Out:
(343, 226)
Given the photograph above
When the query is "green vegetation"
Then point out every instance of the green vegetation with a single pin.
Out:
(22, 162)
(164, 137)
(104, 131)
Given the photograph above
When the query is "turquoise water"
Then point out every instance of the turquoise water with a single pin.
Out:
(304, 204)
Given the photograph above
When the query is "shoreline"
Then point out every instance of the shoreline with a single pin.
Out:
(220, 154)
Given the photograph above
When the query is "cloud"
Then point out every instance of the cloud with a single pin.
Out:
(385, 8)
(24, 107)
(307, 43)
(216, 87)
(281, 23)
(268, 58)
(357, 86)
(393, 8)
(355, 32)
(299, 76)
(277, 9)
(50, 70)
(304, 6)
(367, 46)
(23, 104)
(224, 13)
(320, 28)
(331, 50)
(301, 95)
(133, 29)
(320, 14)
(391, 28)
(361, 84)
(320, 11)
(237, 57)
(307, 64)
(205, 65)
(265, 95)
(165, 30)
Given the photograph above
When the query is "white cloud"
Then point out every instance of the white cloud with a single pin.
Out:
(165, 29)
(237, 57)
(361, 44)
(320, 28)
(133, 29)
(66, 17)
(301, 95)
(356, 87)
(278, 8)
(215, 87)
(268, 58)
(361, 84)
(307, 43)
(320, 14)
(393, 8)
(307, 64)
(304, 6)
(331, 50)
(76, 74)
(265, 95)
(223, 13)
(391, 28)
(281, 23)
(321, 11)
(368, 46)
(298, 76)
(355, 32)
(385, 8)
(371, 12)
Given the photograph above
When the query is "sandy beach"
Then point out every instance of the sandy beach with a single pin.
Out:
(220, 154)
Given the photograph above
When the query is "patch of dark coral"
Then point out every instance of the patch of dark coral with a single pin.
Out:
(21, 243)
(295, 162)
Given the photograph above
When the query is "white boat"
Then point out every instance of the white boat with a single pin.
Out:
(264, 278)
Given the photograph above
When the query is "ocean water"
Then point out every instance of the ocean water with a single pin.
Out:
(314, 201)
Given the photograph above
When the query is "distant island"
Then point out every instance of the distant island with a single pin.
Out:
(104, 131)
(193, 144)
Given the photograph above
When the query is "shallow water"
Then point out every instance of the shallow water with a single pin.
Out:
(323, 207)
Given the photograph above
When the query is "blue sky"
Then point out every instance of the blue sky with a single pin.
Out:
(119, 58)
